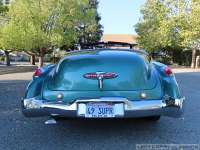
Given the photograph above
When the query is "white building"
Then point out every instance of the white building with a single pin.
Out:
(6, 2)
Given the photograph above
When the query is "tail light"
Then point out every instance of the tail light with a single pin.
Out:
(168, 71)
(37, 72)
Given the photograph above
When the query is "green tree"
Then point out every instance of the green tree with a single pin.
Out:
(3, 21)
(38, 27)
(166, 25)
(191, 30)
(150, 28)
(90, 30)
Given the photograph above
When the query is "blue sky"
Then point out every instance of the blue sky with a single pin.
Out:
(120, 16)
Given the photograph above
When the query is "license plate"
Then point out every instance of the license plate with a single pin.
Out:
(100, 110)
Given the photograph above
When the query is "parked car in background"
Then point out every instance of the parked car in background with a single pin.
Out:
(2, 53)
(104, 83)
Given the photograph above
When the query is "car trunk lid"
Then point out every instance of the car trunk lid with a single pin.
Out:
(130, 72)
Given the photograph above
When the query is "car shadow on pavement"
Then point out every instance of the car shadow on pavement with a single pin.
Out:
(104, 125)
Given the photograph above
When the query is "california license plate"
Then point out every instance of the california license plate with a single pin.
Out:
(100, 110)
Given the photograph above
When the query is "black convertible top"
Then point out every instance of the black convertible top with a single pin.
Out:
(107, 44)
(110, 45)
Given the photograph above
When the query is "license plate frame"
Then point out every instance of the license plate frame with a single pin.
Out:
(100, 110)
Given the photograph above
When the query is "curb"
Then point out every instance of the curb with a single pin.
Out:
(16, 69)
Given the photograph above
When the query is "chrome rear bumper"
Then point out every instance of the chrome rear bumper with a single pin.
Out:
(132, 109)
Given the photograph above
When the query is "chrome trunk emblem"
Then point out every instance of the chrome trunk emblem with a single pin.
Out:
(100, 76)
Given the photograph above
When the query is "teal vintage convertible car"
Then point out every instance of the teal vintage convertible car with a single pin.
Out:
(104, 83)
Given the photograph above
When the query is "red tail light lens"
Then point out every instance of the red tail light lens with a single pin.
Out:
(168, 71)
(37, 72)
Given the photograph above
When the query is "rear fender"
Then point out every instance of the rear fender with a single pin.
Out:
(34, 88)
(169, 83)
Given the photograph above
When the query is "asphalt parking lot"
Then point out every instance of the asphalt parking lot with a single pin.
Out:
(20, 133)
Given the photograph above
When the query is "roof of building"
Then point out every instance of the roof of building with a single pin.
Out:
(127, 38)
